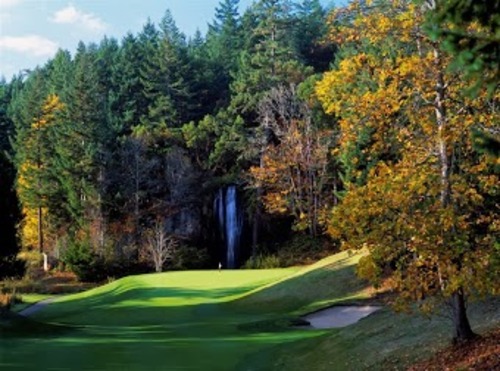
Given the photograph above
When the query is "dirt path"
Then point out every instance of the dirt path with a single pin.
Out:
(36, 307)
(340, 316)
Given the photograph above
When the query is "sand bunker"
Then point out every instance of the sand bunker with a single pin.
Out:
(339, 316)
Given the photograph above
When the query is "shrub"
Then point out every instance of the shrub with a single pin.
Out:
(263, 262)
(11, 267)
(82, 261)
(91, 267)
(304, 249)
(299, 250)
(33, 262)
(189, 257)
(7, 300)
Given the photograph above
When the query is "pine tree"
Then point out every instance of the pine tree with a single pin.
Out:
(36, 184)
(224, 42)
(163, 76)
(128, 102)
(269, 58)
(10, 214)
(60, 70)
(80, 146)
(309, 35)
(26, 110)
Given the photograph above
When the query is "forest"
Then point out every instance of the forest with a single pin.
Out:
(284, 133)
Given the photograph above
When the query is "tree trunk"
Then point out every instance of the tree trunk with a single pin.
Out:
(40, 229)
(258, 209)
(440, 110)
(462, 329)
(256, 225)
(100, 210)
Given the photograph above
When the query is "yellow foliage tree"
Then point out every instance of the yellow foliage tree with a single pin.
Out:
(34, 173)
(292, 175)
(428, 214)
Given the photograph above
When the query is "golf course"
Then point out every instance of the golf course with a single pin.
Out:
(228, 320)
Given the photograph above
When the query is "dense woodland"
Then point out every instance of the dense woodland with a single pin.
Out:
(368, 126)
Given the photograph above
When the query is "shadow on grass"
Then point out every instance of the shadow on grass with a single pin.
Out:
(136, 306)
(180, 307)
(336, 282)
(15, 325)
(159, 327)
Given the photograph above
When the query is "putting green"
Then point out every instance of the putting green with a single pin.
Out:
(198, 320)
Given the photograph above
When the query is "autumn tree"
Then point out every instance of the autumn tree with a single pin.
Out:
(35, 182)
(293, 171)
(426, 212)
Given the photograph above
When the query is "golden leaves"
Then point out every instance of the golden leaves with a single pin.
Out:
(385, 95)
(51, 107)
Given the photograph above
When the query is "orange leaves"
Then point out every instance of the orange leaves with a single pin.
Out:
(292, 174)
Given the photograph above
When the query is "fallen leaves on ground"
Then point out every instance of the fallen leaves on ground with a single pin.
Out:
(482, 353)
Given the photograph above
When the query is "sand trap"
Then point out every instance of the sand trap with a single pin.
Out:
(339, 316)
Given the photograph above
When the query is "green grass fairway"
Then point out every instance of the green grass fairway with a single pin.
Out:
(179, 320)
(206, 320)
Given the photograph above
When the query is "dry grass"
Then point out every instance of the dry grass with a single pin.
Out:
(54, 283)
(7, 300)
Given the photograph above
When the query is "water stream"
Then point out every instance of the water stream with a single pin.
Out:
(230, 220)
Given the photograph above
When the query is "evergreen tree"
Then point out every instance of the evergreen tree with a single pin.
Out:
(32, 146)
(269, 59)
(309, 35)
(224, 42)
(80, 145)
(9, 215)
(469, 30)
(202, 79)
(60, 70)
(174, 72)
(163, 76)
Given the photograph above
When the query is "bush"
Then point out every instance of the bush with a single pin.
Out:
(188, 257)
(263, 262)
(33, 262)
(11, 267)
(299, 250)
(304, 249)
(91, 267)
(82, 261)
(7, 300)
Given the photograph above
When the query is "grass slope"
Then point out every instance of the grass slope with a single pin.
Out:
(383, 341)
(165, 321)
(206, 320)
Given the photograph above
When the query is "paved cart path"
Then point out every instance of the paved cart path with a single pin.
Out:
(36, 307)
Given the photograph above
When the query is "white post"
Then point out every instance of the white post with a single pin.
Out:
(45, 262)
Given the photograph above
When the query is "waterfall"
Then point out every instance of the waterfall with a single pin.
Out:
(230, 223)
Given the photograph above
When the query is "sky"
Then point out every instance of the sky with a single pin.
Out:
(31, 31)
